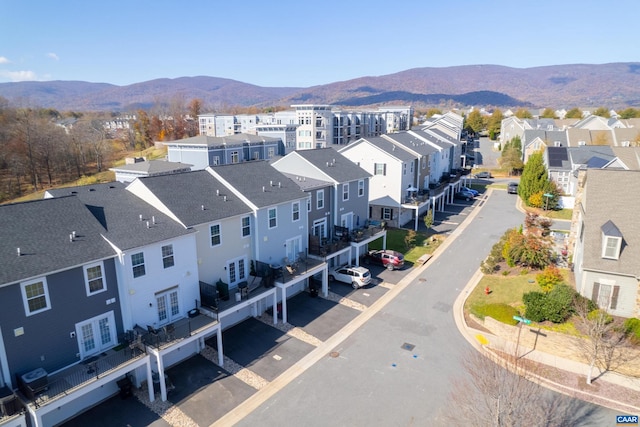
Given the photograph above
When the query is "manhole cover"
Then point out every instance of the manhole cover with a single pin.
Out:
(422, 279)
(408, 346)
(334, 354)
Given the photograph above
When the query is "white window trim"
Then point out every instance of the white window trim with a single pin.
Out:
(320, 198)
(605, 246)
(361, 181)
(211, 234)
(112, 332)
(136, 265)
(173, 255)
(293, 211)
(25, 302)
(242, 227)
(309, 204)
(86, 278)
(269, 218)
(384, 214)
(345, 192)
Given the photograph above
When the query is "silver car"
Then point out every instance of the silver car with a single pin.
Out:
(356, 276)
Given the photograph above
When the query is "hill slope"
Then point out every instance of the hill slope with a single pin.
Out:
(615, 85)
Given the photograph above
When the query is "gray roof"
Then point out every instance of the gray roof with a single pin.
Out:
(630, 156)
(557, 158)
(237, 139)
(152, 167)
(413, 143)
(334, 164)
(250, 178)
(389, 147)
(582, 154)
(306, 183)
(119, 211)
(607, 200)
(41, 230)
(187, 193)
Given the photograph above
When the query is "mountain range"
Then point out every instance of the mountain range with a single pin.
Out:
(615, 85)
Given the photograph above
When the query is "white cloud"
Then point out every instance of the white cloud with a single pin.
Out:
(4, 60)
(18, 76)
(53, 56)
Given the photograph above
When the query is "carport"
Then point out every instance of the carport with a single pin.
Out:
(289, 279)
(359, 243)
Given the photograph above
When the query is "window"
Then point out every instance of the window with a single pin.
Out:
(605, 295)
(404, 169)
(35, 296)
(345, 191)
(361, 188)
(273, 218)
(320, 199)
(411, 168)
(215, 235)
(215, 161)
(295, 209)
(246, 226)
(309, 204)
(387, 214)
(137, 262)
(380, 169)
(167, 256)
(93, 279)
(234, 157)
(271, 152)
(611, 247)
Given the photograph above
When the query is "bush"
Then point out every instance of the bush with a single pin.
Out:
(632, 329)
(534, 303)
(549, 278)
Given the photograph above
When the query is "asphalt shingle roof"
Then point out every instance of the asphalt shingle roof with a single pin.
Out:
(414, 143)
(187, 193)
(152, 167)
(120, 213)
(41, 230)
(250, 178)
(389, 147)
(231, 140)
(334, 164)
(607, 199)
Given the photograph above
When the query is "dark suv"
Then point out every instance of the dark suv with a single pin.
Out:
(389, 259)
(512, 188)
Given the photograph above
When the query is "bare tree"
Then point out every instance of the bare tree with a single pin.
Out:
(603, 343)
(498, 392)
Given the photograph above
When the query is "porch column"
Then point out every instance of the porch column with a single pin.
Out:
(152, 395)
(356, 249)
(325, 282)
(163, 386)
(284, 304)
(275, 307)
(220, 351)
(415, 228)
(384, 240)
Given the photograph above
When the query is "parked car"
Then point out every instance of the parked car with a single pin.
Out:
(391, 260)
(512, 188)
(464, 195)
(485, 174)
(356, 276)
(470, 190)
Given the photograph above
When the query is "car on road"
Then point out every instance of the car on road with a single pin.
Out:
(464, 195)
(512, 188)
(470, 190)
(356, 276)
(484, 174)
(391, 260)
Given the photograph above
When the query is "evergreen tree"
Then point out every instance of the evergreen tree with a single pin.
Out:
(535, 179)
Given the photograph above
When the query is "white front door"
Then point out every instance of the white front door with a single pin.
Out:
(294, 247)
(96, 335)
(320, 227)
(236, 271)
(346, 220)
(168, 306)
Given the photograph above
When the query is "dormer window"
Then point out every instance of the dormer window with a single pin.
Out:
(611, 241)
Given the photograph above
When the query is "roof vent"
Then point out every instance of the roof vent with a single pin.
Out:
(153, 220)
(202, 207)
(148, 226)
(279, 184)
(217, 192)
(263, 189)
(71, 237)
(92, 189)
(271, 183)
(18, 250)
(225, 198)
(74, 192)
(140, 216)
(73, 233)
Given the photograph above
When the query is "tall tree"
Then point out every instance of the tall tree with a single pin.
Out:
(548, 113)
(629, 113)
(534, 178)
(494, 122)
(523, 113)
(474, 122)
(602, 112)
(573, 113)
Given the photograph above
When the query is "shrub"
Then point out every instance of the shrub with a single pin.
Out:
(549, 278)
(535, 199)
(534, 303)
(632, 329)
(410, 239)
(600, 314)
(559, 306)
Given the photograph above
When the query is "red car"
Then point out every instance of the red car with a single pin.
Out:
(391, 260)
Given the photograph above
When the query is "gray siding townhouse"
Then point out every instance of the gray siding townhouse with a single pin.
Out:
(202, 151)
(280, 223)
(60, 310)
(157, 273)
(607, 246)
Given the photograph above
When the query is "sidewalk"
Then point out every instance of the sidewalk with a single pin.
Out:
(563, 375)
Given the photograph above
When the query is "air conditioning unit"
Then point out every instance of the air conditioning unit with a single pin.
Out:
(34, 382)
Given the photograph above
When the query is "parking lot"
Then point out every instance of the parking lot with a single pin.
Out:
(256, 351)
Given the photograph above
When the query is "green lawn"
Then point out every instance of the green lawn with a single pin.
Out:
(395, 241)
(504, 289)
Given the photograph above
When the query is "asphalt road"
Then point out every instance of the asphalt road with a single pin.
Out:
(397, 369)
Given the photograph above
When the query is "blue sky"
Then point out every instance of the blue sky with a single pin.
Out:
(302, 43)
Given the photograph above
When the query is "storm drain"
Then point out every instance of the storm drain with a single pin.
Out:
(408, 346)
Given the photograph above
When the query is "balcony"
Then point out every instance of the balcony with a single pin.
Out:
(172, 333)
